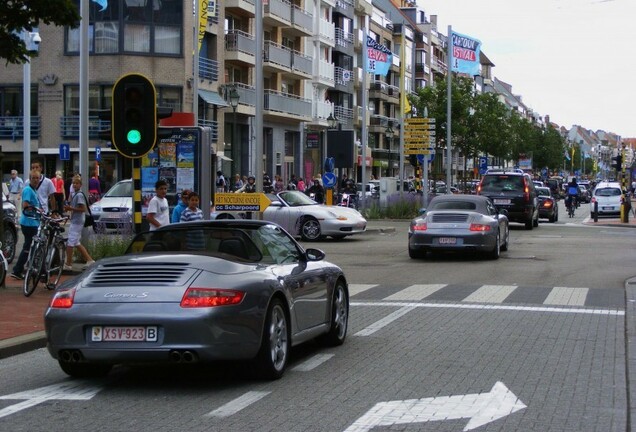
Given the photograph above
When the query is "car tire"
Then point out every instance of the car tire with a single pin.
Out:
(494, 254)
(530, 224)
(417, 253)
(552, 219)
(85, 370)
(275, 345)
(339, 317)
(9, 244)
(310, 229)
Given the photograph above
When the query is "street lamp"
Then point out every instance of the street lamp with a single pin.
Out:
(389, 135)
(236, 151)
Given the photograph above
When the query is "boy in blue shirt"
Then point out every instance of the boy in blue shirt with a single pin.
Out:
(28, 225)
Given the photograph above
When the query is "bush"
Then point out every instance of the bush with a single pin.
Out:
(107, 245)
(406, 206)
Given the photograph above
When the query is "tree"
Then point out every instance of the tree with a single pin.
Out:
(17, 15)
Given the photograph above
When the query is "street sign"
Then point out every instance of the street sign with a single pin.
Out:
(420, 120)
(418, 152)
(65, 151)
(483, 165)
(329, 179)
(241, 202)
(98, 153)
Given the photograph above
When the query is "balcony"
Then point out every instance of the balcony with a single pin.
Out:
(301, 22)
(276, 58)
(243, 8)
(208, 69)
(12, 127)
(327, 32)
(394, 94)
(345, 7)
(344, 41)
(326, 73)
(344, 116)
(378, 123)
(344, 80)
(240, 48)
(286, 105)
(214, 125)
(379, 90)
(301, 65)
(70, 126)
(277, 13)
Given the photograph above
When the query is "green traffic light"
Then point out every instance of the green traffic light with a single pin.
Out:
(133, 136)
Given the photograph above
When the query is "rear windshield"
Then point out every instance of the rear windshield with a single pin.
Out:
(496, 183)
(453, 205)
(607, 192)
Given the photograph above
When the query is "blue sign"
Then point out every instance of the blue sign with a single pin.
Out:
(329, 179)
(483, 165)
(429, 157)
(329, 164)
(65, 151)
(98, 153)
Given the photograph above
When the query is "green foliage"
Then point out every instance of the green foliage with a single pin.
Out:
(16, 15)
(406, 206)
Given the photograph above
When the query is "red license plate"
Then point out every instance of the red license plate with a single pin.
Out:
(447, 240)
(124, 334)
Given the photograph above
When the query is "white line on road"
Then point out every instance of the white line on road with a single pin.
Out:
(416, 292)
(490, 307)
(491, 294)
(386, 320)
(358, 288)
(567, 296)
(312, 363)
(238, 404)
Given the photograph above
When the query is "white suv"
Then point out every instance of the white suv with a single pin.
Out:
(606, 199)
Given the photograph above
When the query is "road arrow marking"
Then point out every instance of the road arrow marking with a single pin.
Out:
(63, 391)
(481, 408)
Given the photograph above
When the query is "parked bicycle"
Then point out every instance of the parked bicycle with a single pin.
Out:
(47, 254)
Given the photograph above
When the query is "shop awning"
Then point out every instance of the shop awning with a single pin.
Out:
(212, 98)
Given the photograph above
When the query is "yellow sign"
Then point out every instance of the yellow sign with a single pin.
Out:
(418, 151)
(241, 202)
(419, 120)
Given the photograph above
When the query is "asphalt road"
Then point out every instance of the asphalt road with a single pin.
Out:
(534, 341)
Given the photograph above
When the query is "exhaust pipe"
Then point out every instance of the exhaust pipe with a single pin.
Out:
(65, 356)
(189, 357)
(175, 356)
(76, 356)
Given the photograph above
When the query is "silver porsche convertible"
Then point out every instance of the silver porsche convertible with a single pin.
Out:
(199, 292)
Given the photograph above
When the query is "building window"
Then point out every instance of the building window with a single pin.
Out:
(99, 98)
(11, 101)
(132, 26)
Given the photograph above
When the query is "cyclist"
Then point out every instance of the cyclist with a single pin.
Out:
(349, 187)
(29, 221)
(572, 195)
(318, 192)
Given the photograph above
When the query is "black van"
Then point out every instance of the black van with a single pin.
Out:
(514, 192)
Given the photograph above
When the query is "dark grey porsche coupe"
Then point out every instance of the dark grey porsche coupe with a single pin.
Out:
(199, 292)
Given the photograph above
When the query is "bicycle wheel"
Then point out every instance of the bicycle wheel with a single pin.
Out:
(35, 263)
(55, 264)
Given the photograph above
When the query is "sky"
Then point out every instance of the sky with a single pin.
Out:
(574, 60)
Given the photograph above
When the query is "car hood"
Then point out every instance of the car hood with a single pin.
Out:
(154, 277)
(113, 202)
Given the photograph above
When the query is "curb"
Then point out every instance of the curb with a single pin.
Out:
(379, 230)
(630, 349)
(22, 344)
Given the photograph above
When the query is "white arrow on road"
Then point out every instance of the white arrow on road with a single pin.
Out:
(481, 408)
(64, 391)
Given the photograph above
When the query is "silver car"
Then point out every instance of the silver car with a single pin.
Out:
(199, 292)
(459, 223)
(113, 212)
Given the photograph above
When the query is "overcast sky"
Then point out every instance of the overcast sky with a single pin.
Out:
(574, 60)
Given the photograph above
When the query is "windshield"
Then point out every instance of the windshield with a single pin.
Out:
(296, 198)
(453, 205)
(496, 183)
(121, 189)
(542, 191)
(607, 192)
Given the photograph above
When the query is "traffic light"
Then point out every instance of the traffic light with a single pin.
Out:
(134, 115)
(413, 160)
(618, 162)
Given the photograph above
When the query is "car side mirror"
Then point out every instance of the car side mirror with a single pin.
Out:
(313, 254)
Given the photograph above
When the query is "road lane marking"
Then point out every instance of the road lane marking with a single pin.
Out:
(386, 320)
(416, 292)
(567, 296)
(312, 363)
(358, 288)
(609, 312)
(238, 404)
(491, 294)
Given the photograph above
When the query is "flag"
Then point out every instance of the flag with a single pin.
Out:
(203, 20)
(465, 54)
(378, 58)
(102, 3)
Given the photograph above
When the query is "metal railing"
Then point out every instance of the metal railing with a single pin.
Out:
(287, 103)
(237, 40)
(12, 127)
(208, 69)
(70, 126)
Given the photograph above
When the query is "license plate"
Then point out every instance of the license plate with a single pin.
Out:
(124, 334)
(447, 240)
(608, 208)
(501, 201)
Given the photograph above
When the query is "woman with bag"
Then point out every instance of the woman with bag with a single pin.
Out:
(77, 207)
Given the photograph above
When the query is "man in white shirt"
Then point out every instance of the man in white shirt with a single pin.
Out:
(158, 209)
(15, 191)
(45, 188)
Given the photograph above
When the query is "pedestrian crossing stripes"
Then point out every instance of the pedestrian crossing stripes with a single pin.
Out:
(492, 294)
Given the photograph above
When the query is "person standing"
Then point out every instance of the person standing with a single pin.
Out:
(301, 184)
(77, 207)
(192, 212)
(59, 195)
(94, 189)
(28, 224)
(158, 209)
(180, 207)
(44, 188)
(220, 182)
(238, 183)
(16, 184)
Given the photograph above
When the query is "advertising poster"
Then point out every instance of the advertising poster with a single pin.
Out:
(185, 179)
(169, 174)
(151, 159)
(185, 154)
(167, 153)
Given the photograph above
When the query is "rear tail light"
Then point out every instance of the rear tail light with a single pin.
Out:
(210, 297)
(479, 227)
(526, 191)
(419, 226)
(547, 204)
(479, 189)
(63, 299)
